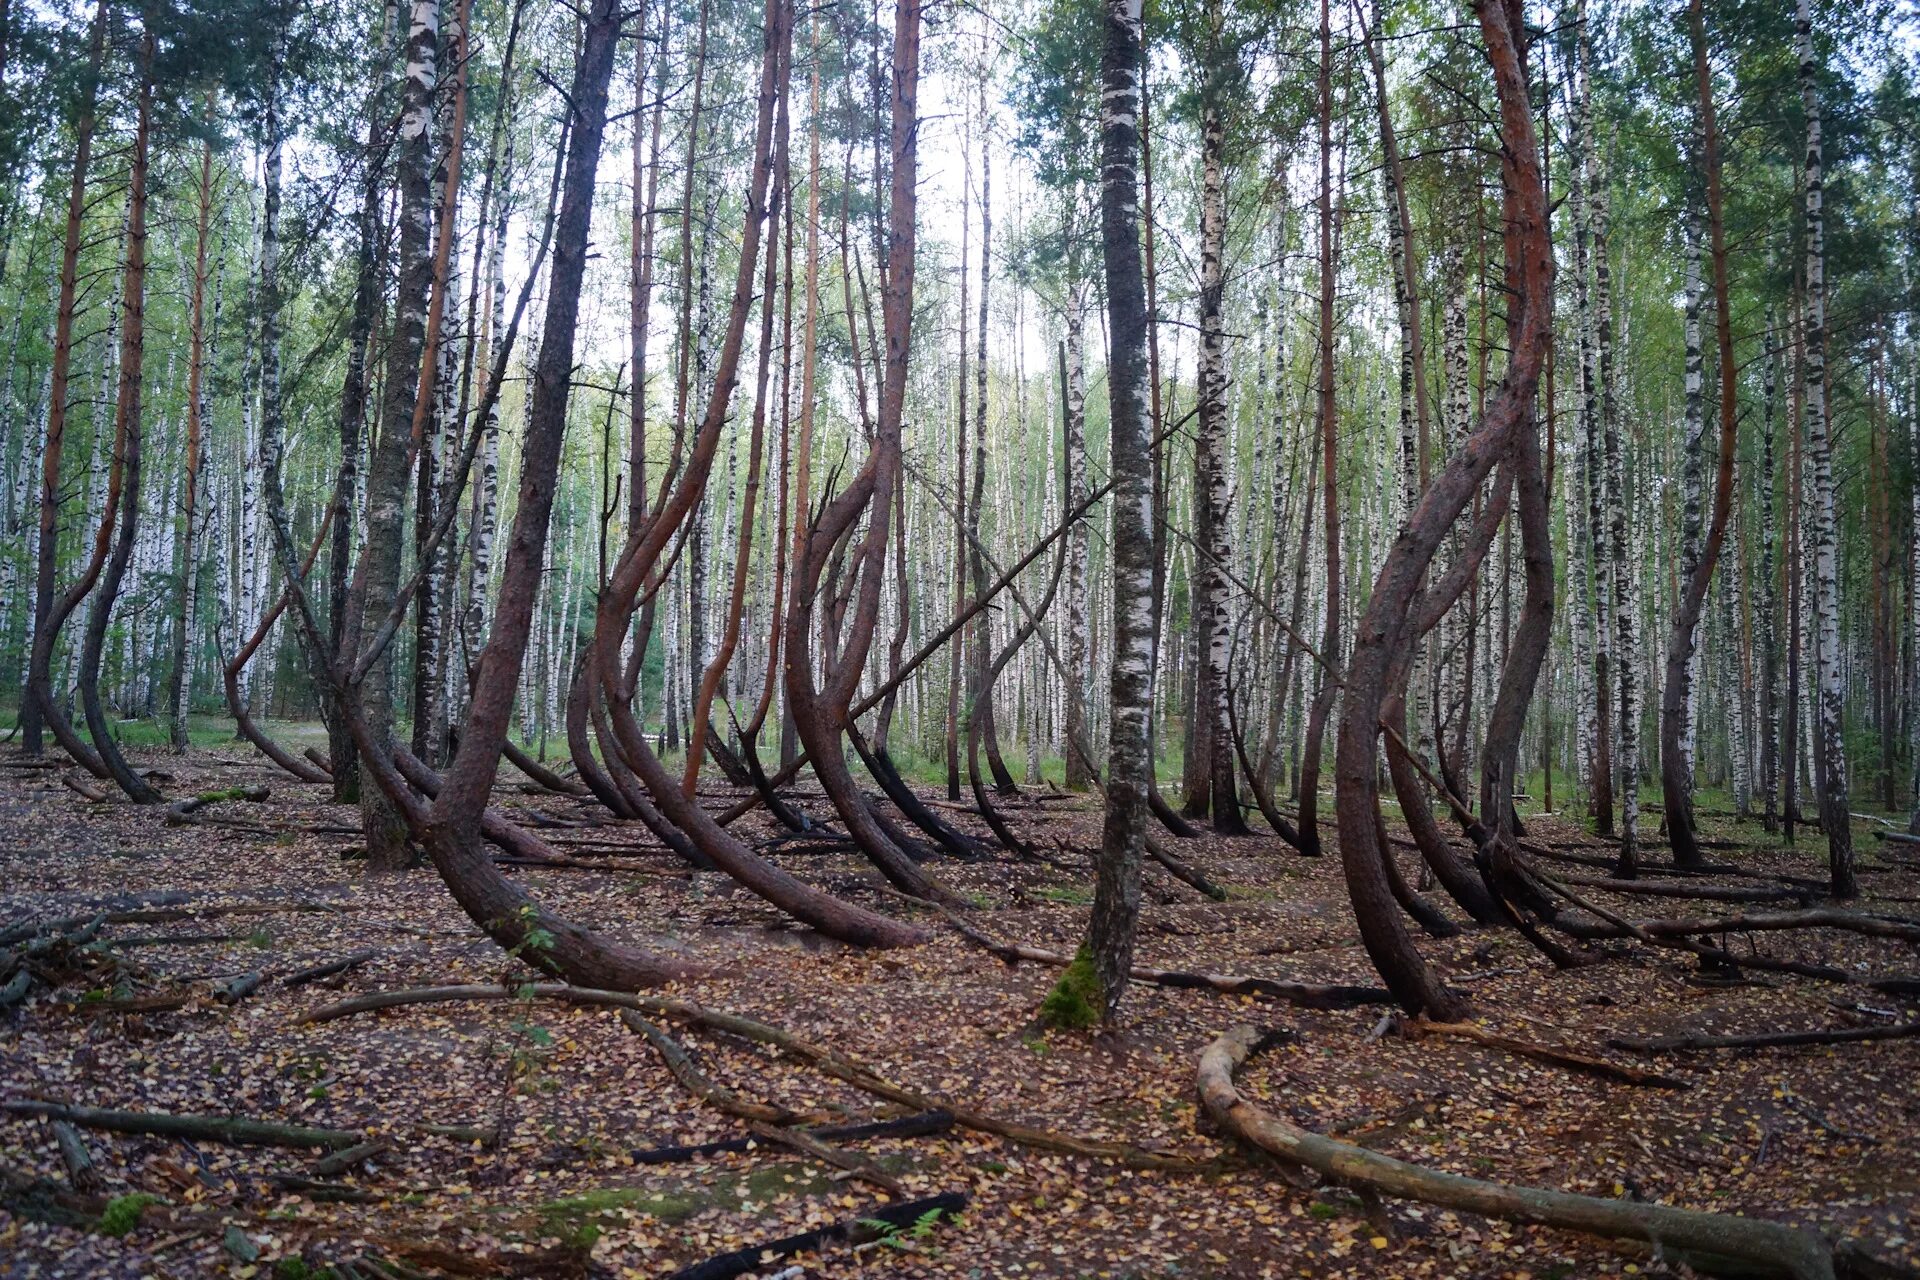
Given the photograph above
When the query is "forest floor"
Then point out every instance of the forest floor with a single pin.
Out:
(514, 1124)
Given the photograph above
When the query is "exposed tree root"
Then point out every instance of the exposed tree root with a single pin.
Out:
(1708, 1241)
(829, 1061)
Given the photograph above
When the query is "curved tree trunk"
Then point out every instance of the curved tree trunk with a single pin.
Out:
(231, 669)
(820, 712)
(50, 614)
(451, 829)
(127, 433)
(648, 542)
(1383, 629)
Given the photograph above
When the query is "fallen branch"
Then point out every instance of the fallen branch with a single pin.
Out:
(16, 988)
(75, 1156)
(1898, 985)
(829, 1061)
(919, 1125)
(753, 1258)
(83, 788)
(235, 1130)
(1708, 892)
(809, 1145)
(181, 812)
(234, 990)
(1309, 995)
(332, 1166)
(702, 1086)
(1774, 921)
(1768, 1248)
(323, 1192)
(1620, 1073)
(167, 914)
(330, 969)
(1694, 1042)
(1184, 872)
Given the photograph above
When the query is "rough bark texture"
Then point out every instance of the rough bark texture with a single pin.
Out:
(1829, 692)
(49, 613)
(451, 830)
(1116, 897)
(1212, 519)
(126, 442)
(1676, 703)
(1383, 629)
(378, 580)
(1768, 1248)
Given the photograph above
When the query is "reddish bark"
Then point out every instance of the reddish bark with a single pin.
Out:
(1383, 630)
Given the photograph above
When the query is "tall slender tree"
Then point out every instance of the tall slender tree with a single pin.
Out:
(1830, 747)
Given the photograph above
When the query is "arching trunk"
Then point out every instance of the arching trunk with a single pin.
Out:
(50, 613)
(1383, 630)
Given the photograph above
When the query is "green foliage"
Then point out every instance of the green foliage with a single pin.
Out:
(898, 1235)
(1078, 999)
(122, 1213)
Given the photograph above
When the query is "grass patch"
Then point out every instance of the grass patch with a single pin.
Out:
(572, 1218)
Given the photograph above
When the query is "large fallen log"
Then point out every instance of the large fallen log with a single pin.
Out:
(236, 1130)
(828, 1061)
(1870, 926)
(1707, 1241)
(1697, 1041)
